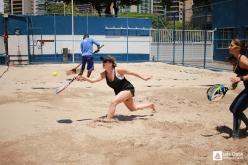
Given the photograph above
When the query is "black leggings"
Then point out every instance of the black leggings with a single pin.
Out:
(239, 104)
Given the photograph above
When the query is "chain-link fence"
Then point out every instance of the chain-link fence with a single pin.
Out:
(2, 50)
(199, 35)
(196, 35)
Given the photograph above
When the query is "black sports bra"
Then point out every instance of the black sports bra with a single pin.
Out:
(240, 71)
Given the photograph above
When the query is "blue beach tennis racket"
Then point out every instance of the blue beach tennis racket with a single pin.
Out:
(216, 92)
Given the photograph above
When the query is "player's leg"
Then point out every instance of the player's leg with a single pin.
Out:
(119, 98)
(237, 107)
(84, 60)
(134, 107)
(243, 106)
(90, 65)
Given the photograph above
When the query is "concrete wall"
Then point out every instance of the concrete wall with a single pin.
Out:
(57, 29)
(112, 44)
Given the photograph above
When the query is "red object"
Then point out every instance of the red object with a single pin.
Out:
(5, 36)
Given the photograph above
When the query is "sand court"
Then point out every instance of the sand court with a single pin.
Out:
(39, 127)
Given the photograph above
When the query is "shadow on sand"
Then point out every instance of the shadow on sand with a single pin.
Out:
(227, 130)
(131, 117)
(117, 117)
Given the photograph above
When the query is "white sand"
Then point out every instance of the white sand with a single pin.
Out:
(183, 131)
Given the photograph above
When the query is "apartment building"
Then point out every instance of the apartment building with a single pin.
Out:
(188, 10)
(147, 6)
(24, 7)
(175, 11)
(1, 7)
(39, 7)
(157, 7)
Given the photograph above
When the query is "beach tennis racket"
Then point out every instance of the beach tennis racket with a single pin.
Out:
(73, 71)
(216, 92)
(76, 70)
(65, 85)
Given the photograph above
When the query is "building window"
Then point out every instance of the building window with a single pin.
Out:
(225, 37)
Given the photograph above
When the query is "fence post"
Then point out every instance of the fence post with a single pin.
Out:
(72, 30)
(29, 56)
(6, 36)
(87, 23)
(127, 38)
(157, 39)
(55, 44)
(174, 37)
(205, 39)
(183, 38)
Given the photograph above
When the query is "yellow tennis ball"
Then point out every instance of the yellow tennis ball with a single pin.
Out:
(55, 74)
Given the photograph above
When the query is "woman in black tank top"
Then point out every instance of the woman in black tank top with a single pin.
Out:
(240, 103)
(123, 89)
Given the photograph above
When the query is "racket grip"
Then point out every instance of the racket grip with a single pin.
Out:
(233, 86)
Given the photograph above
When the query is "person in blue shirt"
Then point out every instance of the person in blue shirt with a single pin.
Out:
(86, 46)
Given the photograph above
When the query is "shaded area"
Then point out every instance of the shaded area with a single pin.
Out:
(43, 88)
(65, 121)
(84, 119)
(131, 117)
(69, 121)
(227, 130)
(224, 129)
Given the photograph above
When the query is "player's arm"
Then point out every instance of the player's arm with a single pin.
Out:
(244, 62)
(98, 44)
(77, 66)
(123, 71)
(237, 79)
(94, 80)
(244, 78)
(81, 46)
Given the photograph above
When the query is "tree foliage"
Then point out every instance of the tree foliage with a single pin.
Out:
(104, 5)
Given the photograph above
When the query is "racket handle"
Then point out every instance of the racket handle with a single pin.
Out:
(233, 86)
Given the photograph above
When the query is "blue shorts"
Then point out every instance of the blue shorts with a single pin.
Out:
(89, 60)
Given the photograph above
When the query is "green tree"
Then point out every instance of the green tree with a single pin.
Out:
(60, 8)
(100, 5)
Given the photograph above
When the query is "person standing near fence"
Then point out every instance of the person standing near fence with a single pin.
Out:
(86, 47)
(238, 50)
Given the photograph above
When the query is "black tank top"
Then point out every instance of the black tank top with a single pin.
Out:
(119, 84)
(241, 72)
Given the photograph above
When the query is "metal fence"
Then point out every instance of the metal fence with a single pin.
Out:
(189, 36)
(2, 48)
(179, 46)
(2, 51)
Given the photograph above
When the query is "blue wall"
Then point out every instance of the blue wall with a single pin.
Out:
(61, 25)
(229, 14)
(77, 57)
(1, 25)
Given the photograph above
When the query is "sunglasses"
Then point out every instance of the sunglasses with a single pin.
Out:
(233, 46)
(105, 61)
